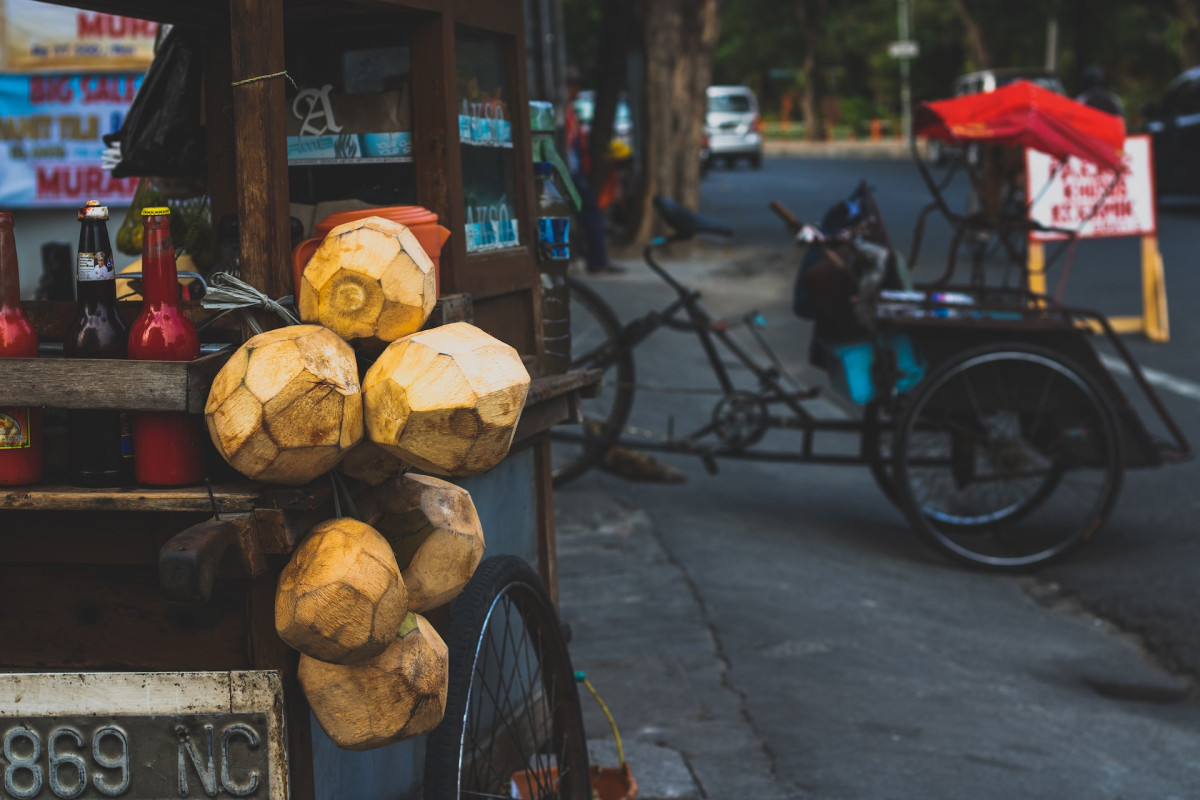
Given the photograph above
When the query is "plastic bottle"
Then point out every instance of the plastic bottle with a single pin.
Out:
(20, 427)
(554, 256)
(100, 443)
(168, 445)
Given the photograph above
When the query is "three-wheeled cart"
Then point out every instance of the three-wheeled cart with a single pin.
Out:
(140, 655)
(985, 412)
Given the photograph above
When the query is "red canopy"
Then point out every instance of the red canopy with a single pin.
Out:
(1025, 114)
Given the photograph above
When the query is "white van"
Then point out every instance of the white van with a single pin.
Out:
(732, 125)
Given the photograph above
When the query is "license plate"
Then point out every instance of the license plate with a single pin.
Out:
(142, 736)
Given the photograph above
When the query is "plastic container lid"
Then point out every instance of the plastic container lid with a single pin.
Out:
(405, 215)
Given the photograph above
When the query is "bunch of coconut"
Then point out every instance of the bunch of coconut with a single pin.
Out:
(351, 598)
(290, 405)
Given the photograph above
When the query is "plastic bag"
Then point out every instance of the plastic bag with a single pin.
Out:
(162, 133)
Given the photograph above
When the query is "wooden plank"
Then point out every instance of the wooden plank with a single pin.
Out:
(452, 308)
(105, 617)
(228, 498)
(541, 417)
(109, 383)
(188, 564)
(256, 30)
(547, 537)
(435, 139)
(87, 537)
(500, 272)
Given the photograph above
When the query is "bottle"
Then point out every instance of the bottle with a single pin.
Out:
(100, 449)
(168, 445)
(21, 427)
(554, 256)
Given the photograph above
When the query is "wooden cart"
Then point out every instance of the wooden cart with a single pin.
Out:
(183, 580)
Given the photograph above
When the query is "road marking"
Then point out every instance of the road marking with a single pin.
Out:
(1163, 380)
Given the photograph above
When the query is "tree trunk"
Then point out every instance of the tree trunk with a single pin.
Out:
(615, 43)
(810, 13)
(974, 35)
(1187, 16)
(678, 37)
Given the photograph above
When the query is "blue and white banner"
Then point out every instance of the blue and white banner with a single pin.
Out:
(50, 145)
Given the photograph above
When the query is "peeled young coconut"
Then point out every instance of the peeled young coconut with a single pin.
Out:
(399, 694)
(434, 530)
(369, 279)
(371, 464)
(287, 406)
(341, 598)
(446, 400)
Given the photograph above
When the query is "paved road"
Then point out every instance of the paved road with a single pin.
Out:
(778, 631)
(1141, 570)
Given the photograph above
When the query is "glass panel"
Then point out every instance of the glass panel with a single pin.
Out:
(485, 132)
(352, 111)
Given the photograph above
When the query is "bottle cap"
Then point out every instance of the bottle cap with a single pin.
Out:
(93, 210)
(156, 211)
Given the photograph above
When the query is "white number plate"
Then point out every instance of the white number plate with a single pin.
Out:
(142, 736)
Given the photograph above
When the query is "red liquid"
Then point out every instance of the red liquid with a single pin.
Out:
(20, 428)
(168, 446)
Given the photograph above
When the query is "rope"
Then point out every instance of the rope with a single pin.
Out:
(281, 73)
(228, 293)
(582, 678)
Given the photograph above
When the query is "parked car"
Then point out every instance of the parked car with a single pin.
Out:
(1174, 127)
(987, 80)
(732, 125)
(585, 108)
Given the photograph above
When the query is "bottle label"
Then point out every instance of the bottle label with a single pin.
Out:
(95, 267)
(14, 428)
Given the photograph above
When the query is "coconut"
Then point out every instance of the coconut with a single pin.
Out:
(287, 406)
(446, 400)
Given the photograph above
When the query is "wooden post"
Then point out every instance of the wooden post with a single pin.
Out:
(256, 36)
(1154, 292)
(1036, 268)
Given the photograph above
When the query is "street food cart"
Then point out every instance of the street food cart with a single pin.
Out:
(140, 618)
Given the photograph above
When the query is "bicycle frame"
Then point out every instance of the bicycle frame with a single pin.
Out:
(715, 334)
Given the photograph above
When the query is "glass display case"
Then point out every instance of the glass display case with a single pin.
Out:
(485, 134)
(351, 109)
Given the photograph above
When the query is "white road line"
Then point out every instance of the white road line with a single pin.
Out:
(1163, 380)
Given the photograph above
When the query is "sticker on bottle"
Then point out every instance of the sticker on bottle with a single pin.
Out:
(95, 267)
(14, 428)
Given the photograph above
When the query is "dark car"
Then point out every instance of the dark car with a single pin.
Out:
(1174, 126)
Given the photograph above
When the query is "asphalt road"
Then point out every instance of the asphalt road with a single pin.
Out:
(780, 627)
(1141, 569)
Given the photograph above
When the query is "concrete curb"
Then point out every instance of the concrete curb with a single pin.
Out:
(892, 149)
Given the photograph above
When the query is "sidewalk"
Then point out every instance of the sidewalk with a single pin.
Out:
(641, 633)
(798, 148)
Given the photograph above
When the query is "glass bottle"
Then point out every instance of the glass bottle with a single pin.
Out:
(99, 442)
(168, 445)
(554, 252)
(20, 427)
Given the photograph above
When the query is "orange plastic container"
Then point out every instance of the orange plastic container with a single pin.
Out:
(421, 221)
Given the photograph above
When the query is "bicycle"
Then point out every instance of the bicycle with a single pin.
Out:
(986, 414)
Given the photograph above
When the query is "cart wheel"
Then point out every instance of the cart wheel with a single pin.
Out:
(879, 458)
(512, 705)
(595, 344)
(1008, 457)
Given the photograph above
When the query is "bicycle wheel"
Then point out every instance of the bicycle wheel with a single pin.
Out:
(1008, 457)
(512, 708)
(595, 344)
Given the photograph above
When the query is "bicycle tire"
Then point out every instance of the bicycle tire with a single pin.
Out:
(987, 442)
(595, 344)
(504, 718)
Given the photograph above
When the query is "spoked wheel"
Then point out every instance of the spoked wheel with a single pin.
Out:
(513, 725)
(1008, 457)
(595, 344)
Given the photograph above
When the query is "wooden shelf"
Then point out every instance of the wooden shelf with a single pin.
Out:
(229, 498)
(341, 162)
(101, 383)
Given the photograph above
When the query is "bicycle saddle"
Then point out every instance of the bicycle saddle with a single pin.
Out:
(685, 222)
